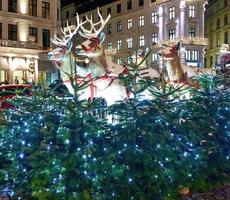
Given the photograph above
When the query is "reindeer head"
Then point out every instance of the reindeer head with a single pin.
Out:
(170, 52)
(64, 44)
(92, 48)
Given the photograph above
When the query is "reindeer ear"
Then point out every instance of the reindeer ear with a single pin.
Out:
(102, 37)
(179, 44)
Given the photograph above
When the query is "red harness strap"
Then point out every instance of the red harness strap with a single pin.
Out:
(184, 80)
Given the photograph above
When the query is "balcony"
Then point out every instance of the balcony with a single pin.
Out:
(18, 44)
(199, 41)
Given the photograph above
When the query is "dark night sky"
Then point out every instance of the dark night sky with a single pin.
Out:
(86, 5)
(97, 2)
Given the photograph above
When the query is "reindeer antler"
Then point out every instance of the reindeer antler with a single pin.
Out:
(69, 35)
(93, 32)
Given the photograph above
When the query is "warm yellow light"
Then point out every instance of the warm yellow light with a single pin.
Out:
(23, 6)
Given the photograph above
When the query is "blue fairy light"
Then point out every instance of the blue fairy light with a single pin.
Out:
(21, 155)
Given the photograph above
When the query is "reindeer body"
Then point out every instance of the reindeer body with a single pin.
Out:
(176, 71)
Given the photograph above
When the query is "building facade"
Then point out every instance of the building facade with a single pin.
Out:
(26, 27)
(137, 24)
(217, 28)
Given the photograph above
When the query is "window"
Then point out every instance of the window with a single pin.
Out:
(109, 28)
(0, 30)
(129, 4)
(119, 45)
(109, 11)
(58, 14)
(67, 14)
(172, 34)
(12, 6)
(33, 8)
(154, 38)
(152, 1)
(12, 32)
(192, 11)
(226, 37)
(142, 40)
(110, 46)
(192, 32)
(141, 3)
(211, 26)
(118, 8)
(154, 57)
(129, 59)
(130, 23)
(211, 60)
(46, 38)
(119, 26)
(119, 62)
(130, 43)
(191, 55)
(211, 42)
(172, 12)
(218, 40)
(46, 10)
(218, 23)
(226, 19)
(0, 4)
(154, 17)
(33, 32)
(141, 20)
(225, 3)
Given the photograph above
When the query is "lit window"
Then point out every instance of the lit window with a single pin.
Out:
(192, 32)
(218, 40)
(142, 41)
(119, 45)
(154, 57)
(154, 17)
(130, 60)
(172, 34)
(172, 12)
(119, 26)
(191, 55)
(119, 62)
(192, 11)
(130, 23)
(141, 20)
(130, 43)
(110, 46)
(154, 38)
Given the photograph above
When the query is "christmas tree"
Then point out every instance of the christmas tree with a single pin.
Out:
(67, 148)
